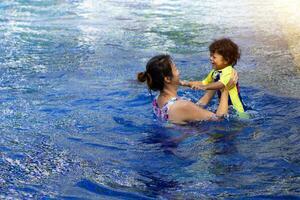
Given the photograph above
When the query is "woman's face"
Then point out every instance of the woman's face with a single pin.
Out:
(175, 73)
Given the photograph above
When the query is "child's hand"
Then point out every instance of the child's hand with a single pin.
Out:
(196, 86)
(184, 83)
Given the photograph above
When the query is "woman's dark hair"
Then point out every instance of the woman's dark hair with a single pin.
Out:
(226, 48)
(157, 69)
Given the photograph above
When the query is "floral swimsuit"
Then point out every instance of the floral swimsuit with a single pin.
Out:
(162, 113)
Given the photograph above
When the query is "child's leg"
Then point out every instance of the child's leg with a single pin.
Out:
(209, 94)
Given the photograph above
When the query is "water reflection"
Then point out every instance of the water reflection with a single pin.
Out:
(75, 124)
(207, 155)
(271, 50)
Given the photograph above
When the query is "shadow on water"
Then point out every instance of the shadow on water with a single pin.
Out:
(105, 191)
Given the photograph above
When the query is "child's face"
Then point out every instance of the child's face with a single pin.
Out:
(218, 61)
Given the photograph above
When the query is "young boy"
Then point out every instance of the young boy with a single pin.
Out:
(224, 54)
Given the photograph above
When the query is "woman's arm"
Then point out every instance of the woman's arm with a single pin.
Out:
(185, 111)
(223, 106)
(233, 80)
(203, 101)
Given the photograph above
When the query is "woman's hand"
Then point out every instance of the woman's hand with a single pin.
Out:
(233, 80)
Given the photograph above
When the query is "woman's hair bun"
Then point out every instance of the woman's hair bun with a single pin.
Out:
(141, 76)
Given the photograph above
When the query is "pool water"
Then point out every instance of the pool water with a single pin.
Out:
(75, 124)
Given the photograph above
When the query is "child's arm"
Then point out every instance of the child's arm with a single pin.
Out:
(190, 83)
(232, 80)
(214, 86)
(196, 83)
(211, 86)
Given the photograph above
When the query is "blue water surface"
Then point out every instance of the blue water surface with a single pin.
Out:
(75, 123)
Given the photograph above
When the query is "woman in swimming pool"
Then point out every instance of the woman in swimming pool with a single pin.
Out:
(162, 75)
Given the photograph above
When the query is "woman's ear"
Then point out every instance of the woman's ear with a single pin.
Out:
(167, 79)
